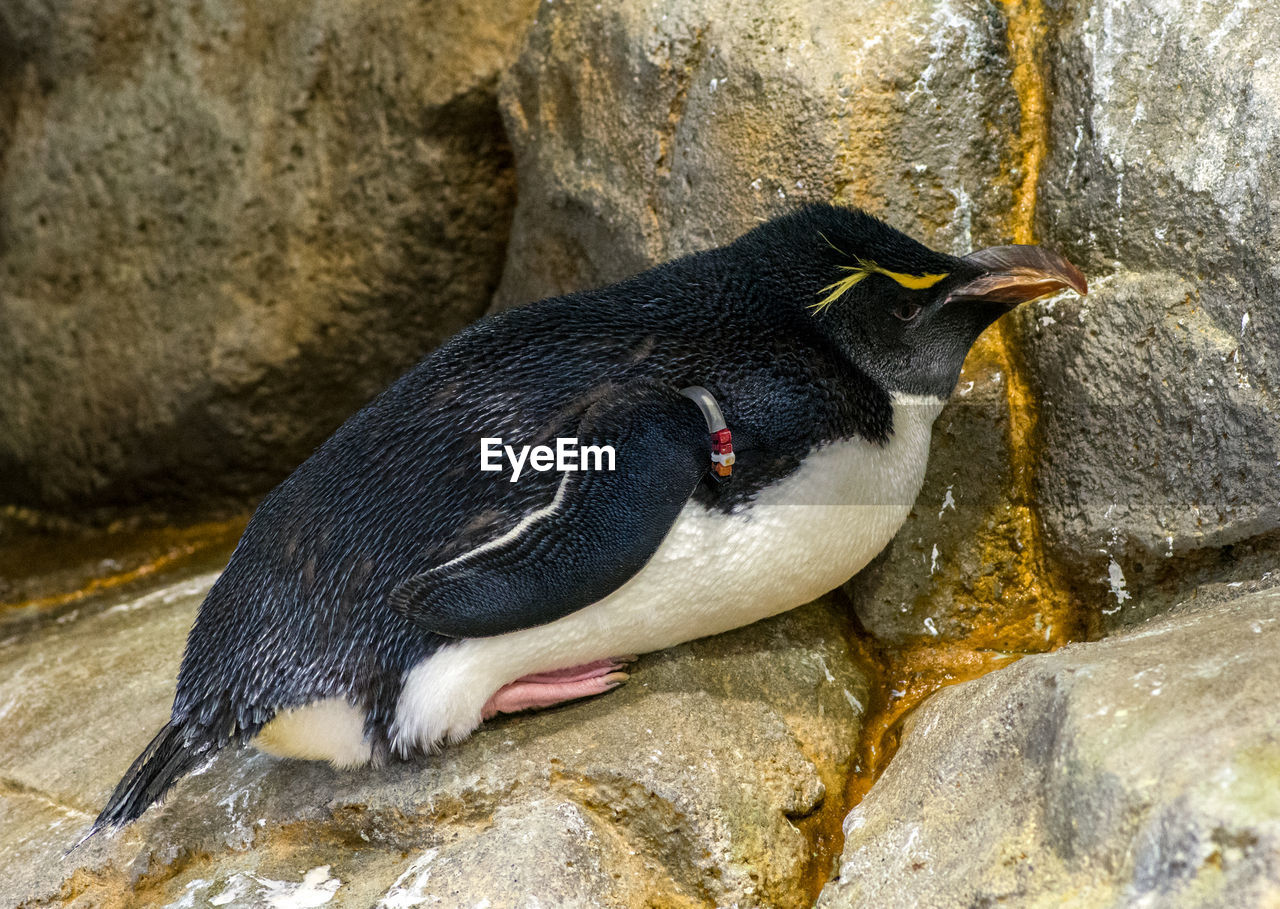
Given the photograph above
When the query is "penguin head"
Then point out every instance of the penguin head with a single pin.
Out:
(907, 315)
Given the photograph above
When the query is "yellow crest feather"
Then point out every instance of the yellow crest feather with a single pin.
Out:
(839, 288)
(864, 268)
(911, 282)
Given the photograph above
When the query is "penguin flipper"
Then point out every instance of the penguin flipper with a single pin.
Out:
(598, 531)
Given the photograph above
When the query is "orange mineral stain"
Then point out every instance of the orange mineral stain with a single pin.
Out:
(44, 569)
(1022, 602)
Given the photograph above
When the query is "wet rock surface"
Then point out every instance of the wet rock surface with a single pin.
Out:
(224, 227)
(1160, 457)
(1138, 770)
(703, 780)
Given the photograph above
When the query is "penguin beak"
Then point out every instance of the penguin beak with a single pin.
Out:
(1016, 274)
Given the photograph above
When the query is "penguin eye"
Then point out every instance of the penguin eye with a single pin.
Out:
(907, 311)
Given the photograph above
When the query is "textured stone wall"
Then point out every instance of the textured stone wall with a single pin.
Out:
(224, 226)
(1160, 453)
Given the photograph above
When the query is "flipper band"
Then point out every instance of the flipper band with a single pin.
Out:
(722, 456)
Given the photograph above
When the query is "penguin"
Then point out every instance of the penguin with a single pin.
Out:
(767, 406)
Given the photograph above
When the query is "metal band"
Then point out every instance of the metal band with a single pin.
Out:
(722, 456)
(707, 404)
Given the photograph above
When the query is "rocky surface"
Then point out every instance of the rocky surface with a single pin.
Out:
(707, 779)
(646, 130)
(1142, 770)
(224, 226)
(1161, 430)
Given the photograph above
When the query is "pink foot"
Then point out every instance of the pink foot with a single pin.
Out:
(578, 673)
(546, 689)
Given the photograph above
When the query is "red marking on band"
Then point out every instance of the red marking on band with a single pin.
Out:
(722, 456)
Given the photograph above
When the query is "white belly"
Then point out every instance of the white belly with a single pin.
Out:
(713, 572)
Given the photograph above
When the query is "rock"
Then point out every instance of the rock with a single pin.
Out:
(1140, 770)
(643, 130)
(1160, 428)
(223, 227)
(707, 778)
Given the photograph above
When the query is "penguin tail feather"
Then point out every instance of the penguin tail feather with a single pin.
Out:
(173, 753)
